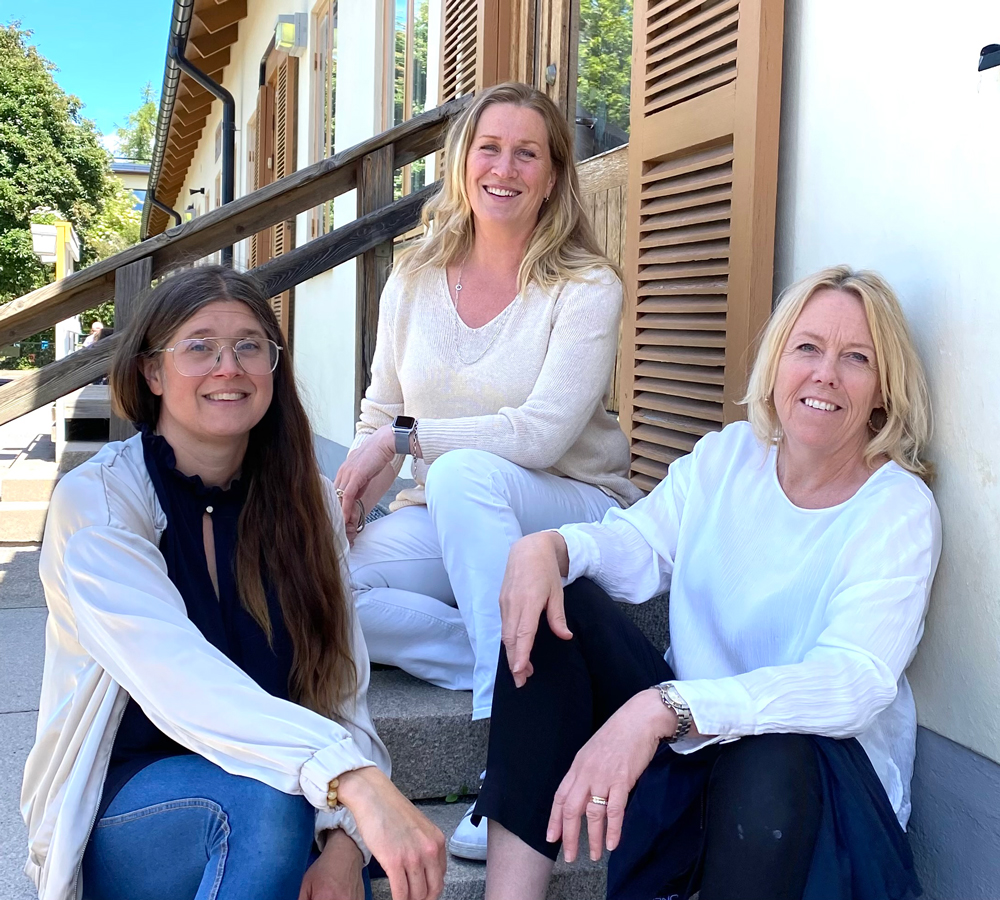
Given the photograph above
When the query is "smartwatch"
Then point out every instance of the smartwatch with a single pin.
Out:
(402, 428)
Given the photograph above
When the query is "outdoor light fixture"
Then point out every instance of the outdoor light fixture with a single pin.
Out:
(989, 57)
(290, 34)
(200, 190)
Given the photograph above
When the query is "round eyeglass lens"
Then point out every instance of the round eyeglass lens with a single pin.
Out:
(199, 356)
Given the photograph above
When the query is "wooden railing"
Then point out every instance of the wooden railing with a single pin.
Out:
(125, 277)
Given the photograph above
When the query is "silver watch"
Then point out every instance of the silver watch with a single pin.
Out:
(402, 428)
(672, 698)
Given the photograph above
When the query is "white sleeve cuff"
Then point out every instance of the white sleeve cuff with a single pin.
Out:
(326, 764)
(584, 554)
(341, 817)
(719, 706)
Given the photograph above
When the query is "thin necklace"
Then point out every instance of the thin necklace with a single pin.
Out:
(461, 336)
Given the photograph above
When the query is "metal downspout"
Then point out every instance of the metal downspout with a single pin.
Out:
(176, 53)
(169, 210)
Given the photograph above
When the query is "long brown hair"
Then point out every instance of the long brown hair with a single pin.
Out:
(562, 246)
(285, 534)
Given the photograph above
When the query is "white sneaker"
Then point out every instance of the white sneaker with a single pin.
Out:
(469, 841)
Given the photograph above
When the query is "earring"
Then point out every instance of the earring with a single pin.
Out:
(880, 413)
(546, 200)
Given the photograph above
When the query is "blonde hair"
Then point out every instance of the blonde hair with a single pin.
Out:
(902, 428)
(562, 246)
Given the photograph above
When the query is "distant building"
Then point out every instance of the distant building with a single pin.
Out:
(135, 176)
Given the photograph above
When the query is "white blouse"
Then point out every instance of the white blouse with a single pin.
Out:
(781, 619)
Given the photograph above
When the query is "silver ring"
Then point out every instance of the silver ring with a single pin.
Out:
(600, 801)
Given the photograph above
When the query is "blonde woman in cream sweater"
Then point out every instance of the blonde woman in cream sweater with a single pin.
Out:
(496, 341)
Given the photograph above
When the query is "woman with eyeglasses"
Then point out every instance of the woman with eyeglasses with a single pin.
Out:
(203, 716)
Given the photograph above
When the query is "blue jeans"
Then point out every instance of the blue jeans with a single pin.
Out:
(184, 829)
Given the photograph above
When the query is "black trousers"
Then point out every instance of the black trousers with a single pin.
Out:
(743, 816)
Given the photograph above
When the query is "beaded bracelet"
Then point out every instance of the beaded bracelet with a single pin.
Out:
(331, 793)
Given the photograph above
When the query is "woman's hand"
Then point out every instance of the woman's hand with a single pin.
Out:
(361, 466)
(608, 766)
(532, 583)
(406, 844)
(336, 875)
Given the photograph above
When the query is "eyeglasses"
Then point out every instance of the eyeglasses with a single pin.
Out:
(200, 356)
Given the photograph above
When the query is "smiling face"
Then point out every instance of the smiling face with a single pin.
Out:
(220, 407)
(827, 384)
(508, 169)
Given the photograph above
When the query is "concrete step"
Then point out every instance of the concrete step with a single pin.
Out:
(22, 521)
(77, 452)
(91, 402)
(436, 748)
(465, 880)
(29, 478)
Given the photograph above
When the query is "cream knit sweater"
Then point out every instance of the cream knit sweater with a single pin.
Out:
(529, 386)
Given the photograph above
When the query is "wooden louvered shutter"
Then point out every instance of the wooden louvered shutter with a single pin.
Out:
(285, 82)
(703, 162)
(263, 167)
(475, 46)
(458, 48)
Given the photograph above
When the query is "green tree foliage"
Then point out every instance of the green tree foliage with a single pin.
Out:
(135, 139)
(605, 57)
(51, 157)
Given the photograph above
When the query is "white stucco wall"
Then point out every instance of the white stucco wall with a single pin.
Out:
(890, 159)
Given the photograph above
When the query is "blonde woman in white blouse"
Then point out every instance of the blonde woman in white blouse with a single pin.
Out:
(769, 754)
(496, 341)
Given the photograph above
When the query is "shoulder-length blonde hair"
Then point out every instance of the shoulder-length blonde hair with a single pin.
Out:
(562, 246)
(902, 428)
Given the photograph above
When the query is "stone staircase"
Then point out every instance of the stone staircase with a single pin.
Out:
(437, 751)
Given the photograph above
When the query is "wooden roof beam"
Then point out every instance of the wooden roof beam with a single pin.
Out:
(186, 120)
(207, 44)
(221, 15)
(200, 107)
(218, 60)
(191, 89)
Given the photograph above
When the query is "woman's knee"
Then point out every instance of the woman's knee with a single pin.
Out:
(458, 473)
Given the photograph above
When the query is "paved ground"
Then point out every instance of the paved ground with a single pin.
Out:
(22, 621)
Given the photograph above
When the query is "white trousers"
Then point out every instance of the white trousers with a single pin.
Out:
(427, 579)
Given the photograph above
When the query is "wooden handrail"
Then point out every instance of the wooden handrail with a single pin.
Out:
(224, 226)
(279, 274)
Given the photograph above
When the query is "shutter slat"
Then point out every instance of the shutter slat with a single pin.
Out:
(702, 375)
(671, 422)
(680, 304)
(710, 393)
(670, 322)
(682, 338)
(655, 470)
(682, 406)
(645, 482)
(694, 356)
(665, 451)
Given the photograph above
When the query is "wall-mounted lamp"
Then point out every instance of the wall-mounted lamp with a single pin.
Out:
(291, 33)
(200, 190)
(989, 57)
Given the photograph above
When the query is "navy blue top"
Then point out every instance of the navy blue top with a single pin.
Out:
(221, 619)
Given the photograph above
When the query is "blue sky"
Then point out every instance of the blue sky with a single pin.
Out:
(105, 50)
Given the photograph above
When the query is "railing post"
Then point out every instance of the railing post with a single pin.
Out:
(375, 173)
(131, 282)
